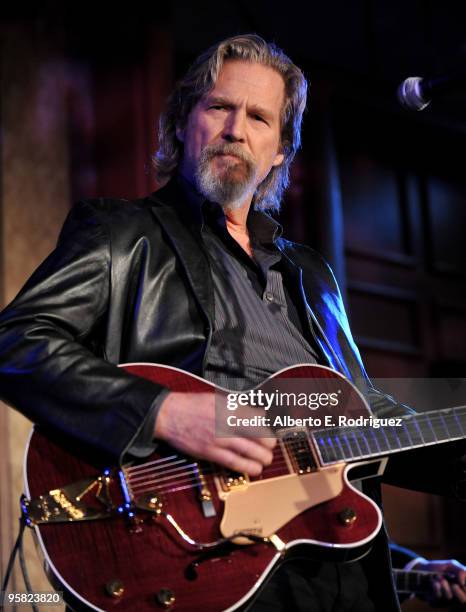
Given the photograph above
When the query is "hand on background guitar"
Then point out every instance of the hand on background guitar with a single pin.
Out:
(446, 592)
(187, 422)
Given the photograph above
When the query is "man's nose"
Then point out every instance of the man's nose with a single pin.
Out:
(235, 126)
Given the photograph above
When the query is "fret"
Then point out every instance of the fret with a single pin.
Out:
(354, 448)
(346, 446)
(419, 435)
(340, 449)
(426, 430)
(391, 436)
(362, 436)
(373, 442)
(332, 447)
(414, 432)
(331, 450)
(345, 450)
(453, 425)
(443, 423)
(354, 438)
(340, 446)
(404, 436)
(457, 420)
(322, 448)
(430, 420)
(448, 426)
(382, 439)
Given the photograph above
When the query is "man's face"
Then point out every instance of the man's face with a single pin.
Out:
(232, 136)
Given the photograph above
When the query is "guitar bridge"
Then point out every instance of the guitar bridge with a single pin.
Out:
(230, 480)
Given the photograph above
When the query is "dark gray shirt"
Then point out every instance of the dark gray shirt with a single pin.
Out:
(254, 334)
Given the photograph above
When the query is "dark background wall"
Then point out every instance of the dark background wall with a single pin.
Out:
(379, 190)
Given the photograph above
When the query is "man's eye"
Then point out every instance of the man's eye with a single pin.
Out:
(259, 118)
(217, 106)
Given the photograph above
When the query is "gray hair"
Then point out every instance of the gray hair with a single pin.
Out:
(201, 78)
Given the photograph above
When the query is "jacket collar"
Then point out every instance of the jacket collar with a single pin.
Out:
(195, 209)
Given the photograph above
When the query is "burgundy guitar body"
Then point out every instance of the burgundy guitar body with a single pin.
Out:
(143, 554)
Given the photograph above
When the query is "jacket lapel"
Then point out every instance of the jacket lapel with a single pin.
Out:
(295, 272)
(185, 237)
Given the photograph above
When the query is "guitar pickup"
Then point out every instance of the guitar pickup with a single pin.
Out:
(299, 451)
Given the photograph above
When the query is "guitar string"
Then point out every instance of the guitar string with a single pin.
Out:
(383, 445)
(135, 473)
(292, 445)
(279, 464)
(144, 467)
(183, 470)
(175, 486)
(181, 478)
(357, 433)
(156, 481)
(431, 421)
(177, 481)
(175, 469)
(273, 469)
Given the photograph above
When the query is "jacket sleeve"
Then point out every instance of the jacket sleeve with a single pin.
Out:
(403, 558)
(434, 469)
(52, 366)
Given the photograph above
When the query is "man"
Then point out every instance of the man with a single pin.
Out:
(197, 277)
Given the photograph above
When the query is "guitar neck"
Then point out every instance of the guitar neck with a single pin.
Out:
(413, 581)
(380, 437)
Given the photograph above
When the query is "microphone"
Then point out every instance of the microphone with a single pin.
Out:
(416, 93)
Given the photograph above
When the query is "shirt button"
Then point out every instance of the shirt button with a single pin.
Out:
(269, 296)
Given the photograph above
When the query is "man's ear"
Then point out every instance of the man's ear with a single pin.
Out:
(279, 157)
(180, 133)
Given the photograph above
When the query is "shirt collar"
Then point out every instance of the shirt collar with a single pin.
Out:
(264, 230)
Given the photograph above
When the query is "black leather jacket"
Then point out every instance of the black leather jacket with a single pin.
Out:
(129, 282)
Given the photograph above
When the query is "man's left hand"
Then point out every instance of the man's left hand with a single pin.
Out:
(446, 591)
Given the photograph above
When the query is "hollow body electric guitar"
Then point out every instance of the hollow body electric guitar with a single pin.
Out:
(173, 532)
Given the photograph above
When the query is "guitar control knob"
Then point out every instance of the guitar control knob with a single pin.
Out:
(347, 516)
(166, 598)
(115, 588)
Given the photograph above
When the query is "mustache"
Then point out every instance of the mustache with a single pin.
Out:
(211, 151)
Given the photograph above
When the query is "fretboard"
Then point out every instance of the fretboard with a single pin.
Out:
(412, 581)
(347, 444)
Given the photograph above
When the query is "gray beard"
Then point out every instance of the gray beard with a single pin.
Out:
(225, 187)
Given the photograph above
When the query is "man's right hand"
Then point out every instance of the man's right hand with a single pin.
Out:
(187, 422)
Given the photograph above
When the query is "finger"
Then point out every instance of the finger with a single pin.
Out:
(462, 578)
(267, 442)
(436, 588)
(250, 449)
(446, 589)
(458, 593)
(243, 427)
(234, 461)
